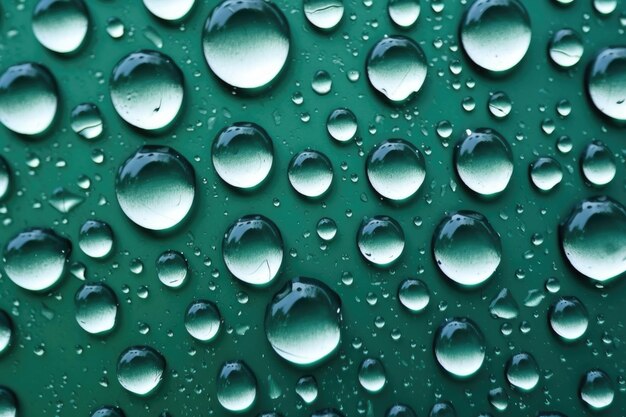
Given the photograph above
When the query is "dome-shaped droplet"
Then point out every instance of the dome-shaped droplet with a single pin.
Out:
(503, 306)
(596, 389)
(6, 333)
(404, 13)
(606, 82)
(310, 173)
(442, 409)
(35, 259)
(169, 10)
(341, 124)
(396, 169)
(414, 295)
(140, 369)
(8, 402)
(5, 178)
(484, 161)
(155, 187)
(246, 42)
(598, 163)
(566, 48)
(323, 14)
(499, 104)
(322, 82)
(569, 318)
(522, 372)
(459, 347)
(115, 27)
(327, 412)
(400, 410)
(28, 98)
(594, 238)
(95, 238)
(307, 389)
(253, 250)
(605, 7)
(466, 248)
(546, 173)
(396, 68)
(86, 121)
(96, 308)
(326, 229)
(203, 320)
(243, 155)
(236, 386)
(380, 240)
(302, 322)
(147, 89)
(495, 34)
(372, 375)
(60, 25)
(172, 268)
(108, 411)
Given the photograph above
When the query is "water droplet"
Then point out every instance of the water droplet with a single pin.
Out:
(323, 14)
(302, 322)
(310, 173)
(522, 372)
(396, 169)
(341, 125)
(328, 412)
(372, 375)
(246, 43)
(442, 409)
(169, 10)
(306, 388)
(253, 250)
(606, 82)
(6, 334)
(8, 403)
(115, 27)
(594, 238)
(566, 48)
(414, 295)
(108, 411)
(60, 25)
(5, 178)
(236, 386)
(203, 320)
(396, 67)
(322, 82)
(326, 229)
(546, 173)
(155, 187)
(495, 34)
(96, 308)
(498, 398)
(380, 240)
(459, 347)
(64, 201)
(140, 369)
(147, 89)
(598, 164)
(35, 259)
(400, 410)
(499, 105)
(243, 155)
(86, 120)
(404, 13)
(95, 238)
(605, 6)
(504, 306)
(28, 98)
(596, 389)
(172, 268)
(569, 318)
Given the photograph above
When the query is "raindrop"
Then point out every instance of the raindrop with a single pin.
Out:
(8, 403)
(60, 25)
(95, 238)
(598, 164)
(326, 229)
(400, 410)
(108, 411)
(504, 306)
(372, 375)
(606, 82)
(172, 268)
(596, 390)
(546, 173)
(6, 333)
(322, 82)
(306, 388)
(140, 369)
(499, 104)
(323, 14)
(115, 27)
(459, 347)
(169, 10)
(310, 173)
(203, 320)
(380, 240)
(96, 308)
(236, 386)
(341, 124)
(566, 48)
(569, 318)
(86, 120)
(522, 372)
(5, 178)
(404, 13)
(413, 295)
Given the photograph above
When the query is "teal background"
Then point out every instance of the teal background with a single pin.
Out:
(62, 382)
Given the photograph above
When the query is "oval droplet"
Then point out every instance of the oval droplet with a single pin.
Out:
(169, 10)
(596, 390)
(404, 13)
(96, 308)
(61, 25)
(606, 82)
(380, 240)
(140, 370)
(400, 410)
(108, 411)
(459, 347)
(326, 229)
(95, 238)
(323, 14)
(203, 320)
(413, 295)
(341, 125)
(172, 268)
(522, 372)
(86, 121)
(5, 178)
(310, 173)
(8, 402)
(236, 386)
(569, 318)
(566, 48)
(372, 375)
(546, 173)
(598, 163)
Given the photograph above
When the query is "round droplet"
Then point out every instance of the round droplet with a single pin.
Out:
(522, 372)
(459, 347)
(172, 268)
(396, 67)
(8, 402)
(155, 187)
(6, 333)
(466, 248)
(35, 259)
(60, 25)
(380, 240)
(323, 14)
(5, 178)
(606, 82)
(499, 105)
(243, 155)
(253, 250)
(396, 169)
(203, 320)
(310, 173)
(404, 13)
(566, 48)
(495, 34)
(484, 161)
(236, 386)
(596, 389)
(546, 173)
(605, 7)
(140, 369)
(95, 238)
(341, 125)
(28, 98)
(598, 163)
(302, 322)
(414, 295)
(326, 229)
(86, 120)
(442, 409)
(108, 411)
(400, 410)
(96, 308)
(306, 388)
(246, 42)
(147, 89)
(322, 82)
(569, 318)
(115, 27)
(169, 10)
(372, 375)
(594, 238)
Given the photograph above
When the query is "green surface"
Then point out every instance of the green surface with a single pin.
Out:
(65, 383)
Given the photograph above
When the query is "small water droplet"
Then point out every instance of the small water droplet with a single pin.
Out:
(140, 370)
(310, 173)
(569, 318)
(566, 48)
(95, 238)
(86, 120)
(172, 268)
(323, 14)
(546, 173)
(96, 308)
(203, 320)
(459, 347)
(380, 240)
(236, 386)
(522, 372)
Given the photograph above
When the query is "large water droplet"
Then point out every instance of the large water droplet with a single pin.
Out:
(169, 10)
(86, 120)
(459, 347)
(172, 268)
(253, 250)
(442, 409)
(596, 389)
(28, 98)
(203, 320)
(404, 13)
(606, 82)
(546, 173)
(598, 164)
(380, 240)
(95, 238)
(96, 308)
(310, 173)
(6, 333)
(495, 34)
(302, 323)
(414, 295)
(396, 68)
(236, 386)
(8, 403)
(372, 375)
(60, 25)
(147, 89)
(522, 372)
(569, 318)
(323, 14)
(140, 369)
(155, 187)
(566, 48)
(246, 42)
